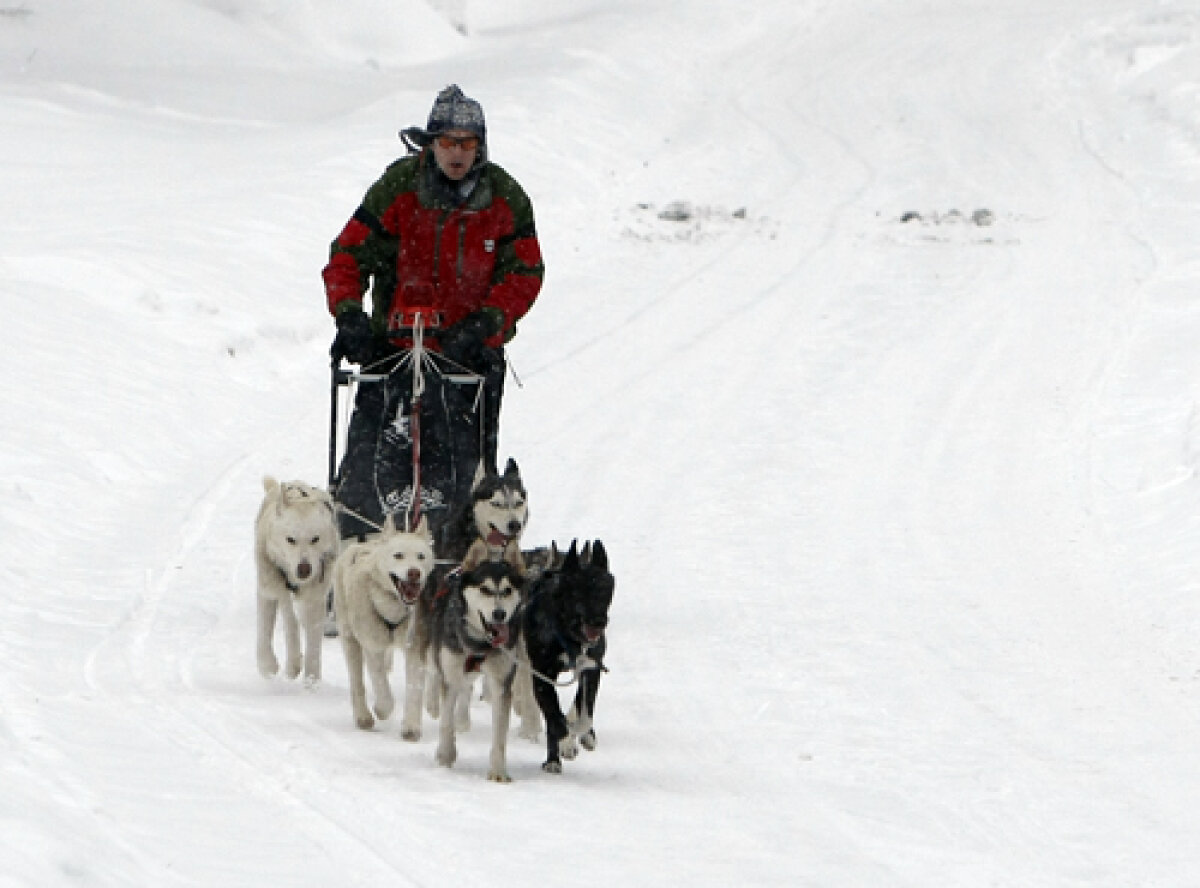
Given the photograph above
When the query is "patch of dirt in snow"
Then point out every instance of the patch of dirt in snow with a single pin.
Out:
(681, 221)
(981, 226)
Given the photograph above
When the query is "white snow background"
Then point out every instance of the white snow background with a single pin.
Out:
(869, 345)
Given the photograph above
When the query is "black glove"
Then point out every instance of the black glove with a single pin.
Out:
(463, 343)
(354, 340)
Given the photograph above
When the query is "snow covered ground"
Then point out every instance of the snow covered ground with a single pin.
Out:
(868, 346)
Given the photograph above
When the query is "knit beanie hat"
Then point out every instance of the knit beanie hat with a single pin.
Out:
(452, 110)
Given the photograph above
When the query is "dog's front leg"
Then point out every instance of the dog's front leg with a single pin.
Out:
(501, 692)
(434, 691)
(546, 695)
(354, 669)
(378, 663)
(414, 691)
(291, 633)
(581, 718)
(313, 617)
(268, 665)
(524, 703)
(462, 708)
(447, 750)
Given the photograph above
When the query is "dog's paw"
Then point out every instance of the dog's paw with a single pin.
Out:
(267, 665)
(499, 777)
(552, 767)
(588, 740)
(529, 732)
(295, 664)
(412, 735)
(364, 720)
(568, 748)
(312, 682)
(446, 756)
(384, 708)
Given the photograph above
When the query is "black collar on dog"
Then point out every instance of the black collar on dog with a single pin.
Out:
(573, 648)
(393, 626)
(475, 646)
(292, 587)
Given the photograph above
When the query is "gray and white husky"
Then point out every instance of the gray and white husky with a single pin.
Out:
(475, 628)
(497, 515)
(295, 544)
(377, 588)
(499, 508)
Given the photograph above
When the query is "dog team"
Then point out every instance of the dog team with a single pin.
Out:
(520, 619)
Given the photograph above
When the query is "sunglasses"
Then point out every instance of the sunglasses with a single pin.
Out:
(467, 143)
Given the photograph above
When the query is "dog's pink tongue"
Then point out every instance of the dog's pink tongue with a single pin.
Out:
(496, 538)
(409, 592)
(499, 635)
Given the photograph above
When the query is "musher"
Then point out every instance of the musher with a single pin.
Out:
(449, 233)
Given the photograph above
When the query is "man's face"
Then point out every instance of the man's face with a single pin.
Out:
(455, 152)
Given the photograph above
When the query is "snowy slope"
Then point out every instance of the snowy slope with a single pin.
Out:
(893, 440)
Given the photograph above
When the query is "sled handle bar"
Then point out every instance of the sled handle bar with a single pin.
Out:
(343, 376)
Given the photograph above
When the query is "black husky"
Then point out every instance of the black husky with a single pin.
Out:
(566, 612)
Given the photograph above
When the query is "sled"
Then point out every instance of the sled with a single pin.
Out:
(420, 440)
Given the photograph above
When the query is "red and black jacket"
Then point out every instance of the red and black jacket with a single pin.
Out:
(422, 250)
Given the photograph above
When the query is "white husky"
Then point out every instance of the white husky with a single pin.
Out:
(295, 544)
(377, 586)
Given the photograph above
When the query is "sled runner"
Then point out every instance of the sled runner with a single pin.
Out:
(415, 438)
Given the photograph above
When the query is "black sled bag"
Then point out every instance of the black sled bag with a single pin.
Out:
(376, 475)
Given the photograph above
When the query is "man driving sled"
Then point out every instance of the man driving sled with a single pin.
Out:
(449, 234)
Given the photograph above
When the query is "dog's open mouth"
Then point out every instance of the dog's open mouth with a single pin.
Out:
(498, 634)
(408, 590)
(497, 537)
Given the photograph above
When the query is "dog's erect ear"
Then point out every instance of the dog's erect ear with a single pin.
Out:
(512, 554)
(571, 562)
(389, 524)
(423, 527)
(511, 470)
(599, 557)
(480, 474)
(270, 485)
(476, 555)
(585, 556)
